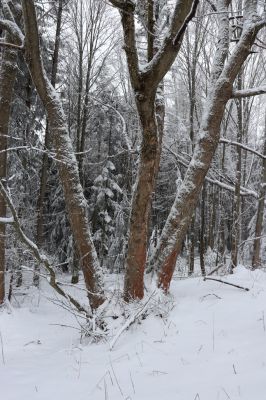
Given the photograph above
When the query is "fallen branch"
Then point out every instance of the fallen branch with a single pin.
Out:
(226, 283)
(215, 269)
(130, 321)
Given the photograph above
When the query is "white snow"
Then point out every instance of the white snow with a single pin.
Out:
(209, 343)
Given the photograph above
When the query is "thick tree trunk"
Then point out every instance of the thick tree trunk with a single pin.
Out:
(186, 199)
(67, 164)
(141, 204)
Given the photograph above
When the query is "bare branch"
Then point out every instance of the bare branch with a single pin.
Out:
(226, 283)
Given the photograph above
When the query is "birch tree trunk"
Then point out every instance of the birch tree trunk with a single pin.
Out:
(223, 76)
(67, 164)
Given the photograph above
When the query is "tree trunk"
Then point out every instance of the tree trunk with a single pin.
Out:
(7, 79)
(185, 202)
(67, 164)
(256, 260)
(237, 198)
(202, 233)
(141, 204)
(45, 160)
(192, 247)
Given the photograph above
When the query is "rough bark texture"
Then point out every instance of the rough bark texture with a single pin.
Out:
(187, 196)
(145, 83)
(45, 161)
(8, 73)
(67, 164)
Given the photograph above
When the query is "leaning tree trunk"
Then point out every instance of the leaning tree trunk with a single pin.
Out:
(8, 73)
(67, 164)
(186, 199)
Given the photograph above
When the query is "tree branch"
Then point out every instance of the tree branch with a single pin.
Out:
(13, 30)
(156, 69)
(238, 94)
(123, 5)
(11, 46)
(41, 258)
(223, 140)
(226, 283)
(127, 9)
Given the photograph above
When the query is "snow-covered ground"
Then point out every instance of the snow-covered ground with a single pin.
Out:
(207, 342)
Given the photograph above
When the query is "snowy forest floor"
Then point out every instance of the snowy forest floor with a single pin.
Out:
(205, 341)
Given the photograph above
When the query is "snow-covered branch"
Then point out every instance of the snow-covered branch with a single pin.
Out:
(11, 45)
(13, 30)
(238, 94)
(212, 180)
(41, 258)
(223, 140)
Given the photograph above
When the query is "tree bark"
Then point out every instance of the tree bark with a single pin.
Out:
(185, 202)
(145, 84)
(256, 259)
(45, 160)
(67, 164)
(237, 198)
(8, 74)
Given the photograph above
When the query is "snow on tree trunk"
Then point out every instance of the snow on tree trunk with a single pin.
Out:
(223, 76)
(8, 73)
(67, 164)
(145, 82)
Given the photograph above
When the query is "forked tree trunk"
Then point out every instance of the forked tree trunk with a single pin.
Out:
(145, 84)
(186, 199)
(8, 73)
(67, 164)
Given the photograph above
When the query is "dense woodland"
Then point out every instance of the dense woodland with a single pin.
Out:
(132, 141)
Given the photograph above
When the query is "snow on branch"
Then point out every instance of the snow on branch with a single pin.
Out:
(6, 220)
(244, 191)
(238, 94)
(123, 5)
(13, 30)
(41, 258)
(11, 45)
(226, 141)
